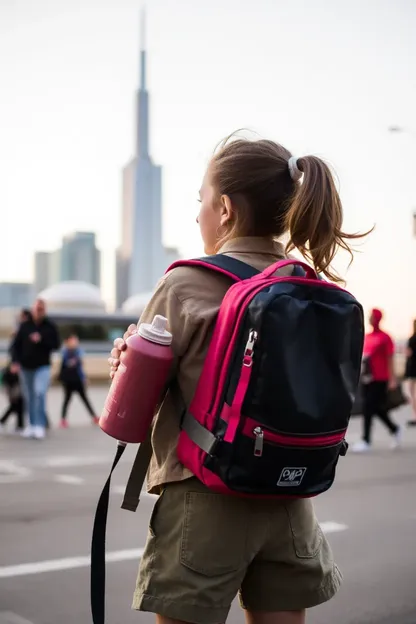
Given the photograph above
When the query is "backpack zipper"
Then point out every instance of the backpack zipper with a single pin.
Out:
(260, 436)
(258, 441)
(248, 351)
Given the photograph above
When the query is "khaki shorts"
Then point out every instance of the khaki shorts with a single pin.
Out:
(203, 548)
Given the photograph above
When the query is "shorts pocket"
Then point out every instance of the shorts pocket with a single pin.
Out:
(154, 514)
(214, 534)
(306, 533)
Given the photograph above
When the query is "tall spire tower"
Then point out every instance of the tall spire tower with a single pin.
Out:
(142, 130)
(141, 258)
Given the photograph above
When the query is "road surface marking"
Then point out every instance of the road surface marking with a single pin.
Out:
(70, 563)
(333, 527)
(11, 472)
(67, 461)
(7, 617)
(69, 479)
(120, 489)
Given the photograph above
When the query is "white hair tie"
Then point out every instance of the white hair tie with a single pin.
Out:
(295, 172)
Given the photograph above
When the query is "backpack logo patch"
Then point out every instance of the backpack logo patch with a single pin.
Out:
(291, 477)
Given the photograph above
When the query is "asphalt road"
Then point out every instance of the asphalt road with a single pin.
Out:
(48, 493)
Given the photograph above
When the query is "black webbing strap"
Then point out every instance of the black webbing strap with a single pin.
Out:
(240, 269)
(138, 475)
(97, 583)
(130, 501)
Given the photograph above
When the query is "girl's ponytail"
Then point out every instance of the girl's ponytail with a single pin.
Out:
(314, 218)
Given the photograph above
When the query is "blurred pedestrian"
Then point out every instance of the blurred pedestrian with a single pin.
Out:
(32, 348)
(411, 373)
(72, 377)
(25, 315)
(11, 383)
(377, 379)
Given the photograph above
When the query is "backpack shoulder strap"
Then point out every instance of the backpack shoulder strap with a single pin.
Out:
(227, 265)
(231, 267)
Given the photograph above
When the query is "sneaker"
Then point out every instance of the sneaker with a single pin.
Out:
(397, 439)
(63, 424)
(39, 433)
(361, 447)
(28, 432)
(96, 420)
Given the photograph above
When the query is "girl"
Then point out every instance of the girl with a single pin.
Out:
(72, 377)
(204, 548)
(411, 373)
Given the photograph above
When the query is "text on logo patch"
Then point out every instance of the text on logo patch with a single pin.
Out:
(291, 476)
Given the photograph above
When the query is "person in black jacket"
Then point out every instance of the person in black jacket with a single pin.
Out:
(11, 383)
(32, 347)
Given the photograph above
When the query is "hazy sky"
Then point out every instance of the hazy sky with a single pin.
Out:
(320, 76)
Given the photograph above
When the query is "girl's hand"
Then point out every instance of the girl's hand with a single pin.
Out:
(119, 346)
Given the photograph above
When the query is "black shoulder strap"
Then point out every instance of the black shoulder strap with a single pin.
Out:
(231, 266)
(239, 269)
(298, 271)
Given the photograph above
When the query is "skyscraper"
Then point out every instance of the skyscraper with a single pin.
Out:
(80, 258)
(77, 259)
(141, 258)
(42, 271)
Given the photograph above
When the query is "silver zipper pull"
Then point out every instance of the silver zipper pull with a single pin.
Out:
(252, 337)
(248, 351)
(258, 442)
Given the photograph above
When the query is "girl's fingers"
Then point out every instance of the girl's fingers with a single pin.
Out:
(119, 343)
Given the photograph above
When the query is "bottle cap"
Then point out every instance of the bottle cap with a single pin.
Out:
(156, 332)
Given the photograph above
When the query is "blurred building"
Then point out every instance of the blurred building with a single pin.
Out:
(42, 278)
(54, 267)
(78, 259)
(16, 295)
(141, 258)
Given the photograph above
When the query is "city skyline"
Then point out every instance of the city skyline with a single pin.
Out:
(327, 78)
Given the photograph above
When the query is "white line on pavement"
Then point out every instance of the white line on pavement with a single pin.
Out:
(7, 617)
(70, 563)
(333, 527)
(10, 472)
(120, 489)
(69, 479)
(67, 461)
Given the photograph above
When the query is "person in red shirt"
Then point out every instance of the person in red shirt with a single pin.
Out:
(378, 377)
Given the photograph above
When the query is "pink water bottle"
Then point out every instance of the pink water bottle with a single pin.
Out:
(138, 383)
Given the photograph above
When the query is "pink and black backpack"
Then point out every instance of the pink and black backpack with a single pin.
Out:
(274, 399)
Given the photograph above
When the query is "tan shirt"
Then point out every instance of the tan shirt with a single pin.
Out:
(190, 298)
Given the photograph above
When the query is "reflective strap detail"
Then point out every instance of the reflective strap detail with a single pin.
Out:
(199, 434)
